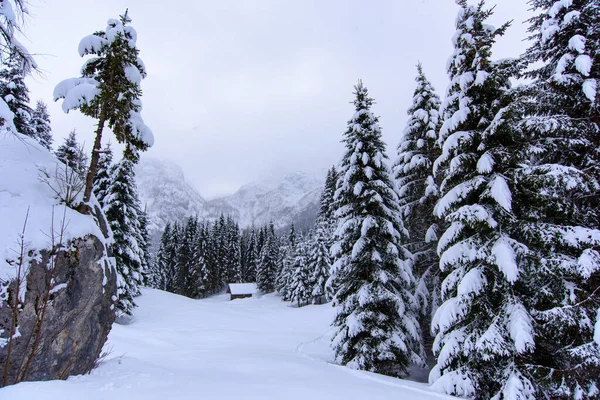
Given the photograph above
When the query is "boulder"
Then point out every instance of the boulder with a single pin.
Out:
(65, 313)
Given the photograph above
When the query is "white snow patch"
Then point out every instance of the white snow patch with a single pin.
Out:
(254, 349)
(505, 259)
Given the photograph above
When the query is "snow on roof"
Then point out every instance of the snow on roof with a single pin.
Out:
(242, 288)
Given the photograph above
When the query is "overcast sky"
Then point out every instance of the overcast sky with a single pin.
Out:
(237, 90)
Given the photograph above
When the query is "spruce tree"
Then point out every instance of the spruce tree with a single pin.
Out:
(71, 153)
(145, 246)
(484, 329)
(160, 265)
(319, 263)
(40, 124)
(375, 327)
(15, 93)
(11, 21)
(102, 180)
(299, 282)
(200, 260)
(560, 199)
(249, 270)
(418, 191)
(267, 267)
(109, 90)
(122, 209)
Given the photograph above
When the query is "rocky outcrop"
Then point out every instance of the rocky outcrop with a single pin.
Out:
(66, 310)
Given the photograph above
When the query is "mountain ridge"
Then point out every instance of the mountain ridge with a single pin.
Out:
(168, 197)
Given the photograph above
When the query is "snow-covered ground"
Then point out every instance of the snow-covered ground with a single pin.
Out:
(178, 348)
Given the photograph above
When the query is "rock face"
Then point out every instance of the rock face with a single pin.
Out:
(66, 313)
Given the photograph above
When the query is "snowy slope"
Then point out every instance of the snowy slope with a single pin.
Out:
(293, 198)
(178, 348)
(23, 196)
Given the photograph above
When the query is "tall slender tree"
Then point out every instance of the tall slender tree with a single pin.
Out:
(122, 209)
(15, 93)
(375, 327)
(419, 191)
(109, 90)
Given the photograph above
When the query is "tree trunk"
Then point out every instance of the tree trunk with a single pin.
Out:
(89, 179)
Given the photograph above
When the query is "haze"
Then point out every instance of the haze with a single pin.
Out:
(238, 90)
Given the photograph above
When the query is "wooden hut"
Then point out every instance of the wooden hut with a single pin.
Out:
(241, 290)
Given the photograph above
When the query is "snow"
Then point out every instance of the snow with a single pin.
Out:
(597, 328)
(520, 327)
(583, 64)
(505, 259)
(22, 192)
(255, 348)
(500, 192)
(75, 91)
(133, 74)
(91, 44)
(242, 288)
(589, 88)
(577, 43)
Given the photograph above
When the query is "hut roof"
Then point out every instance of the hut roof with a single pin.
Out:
(242, 288)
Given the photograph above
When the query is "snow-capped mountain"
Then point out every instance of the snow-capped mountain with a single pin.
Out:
(165, 193)
(168, 197)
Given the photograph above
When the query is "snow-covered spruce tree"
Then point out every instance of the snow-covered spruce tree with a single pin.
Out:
(122, 208)
(11, 19)
(299, 284)
(145, 247)
(71, 153)
(418, 191)
(15, 93)
(102, 180)
(187, 277)
(267, 267)
(375, 327)
(200, 260)
(40, 123)
(485, 334)
(286, 261)
(319, 263)
(109, 90)
(560, 207)
(249, 269)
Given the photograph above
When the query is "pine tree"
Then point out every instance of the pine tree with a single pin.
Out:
(145, 246)
(122, 209)
(558, 202)
(299, 284)
(15, 93)
(109, 90)
(11, 21)
(40, 124)
(201, 261)
(319, 263)
(71, 153)
(286, 261)
(187, 277)
(375, 327)
(267, 267)
(102, 180)
(249, 270)
(484, 328)
(419, 191)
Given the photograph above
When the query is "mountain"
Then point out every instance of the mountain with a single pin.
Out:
(294, 198)
(165, 193)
